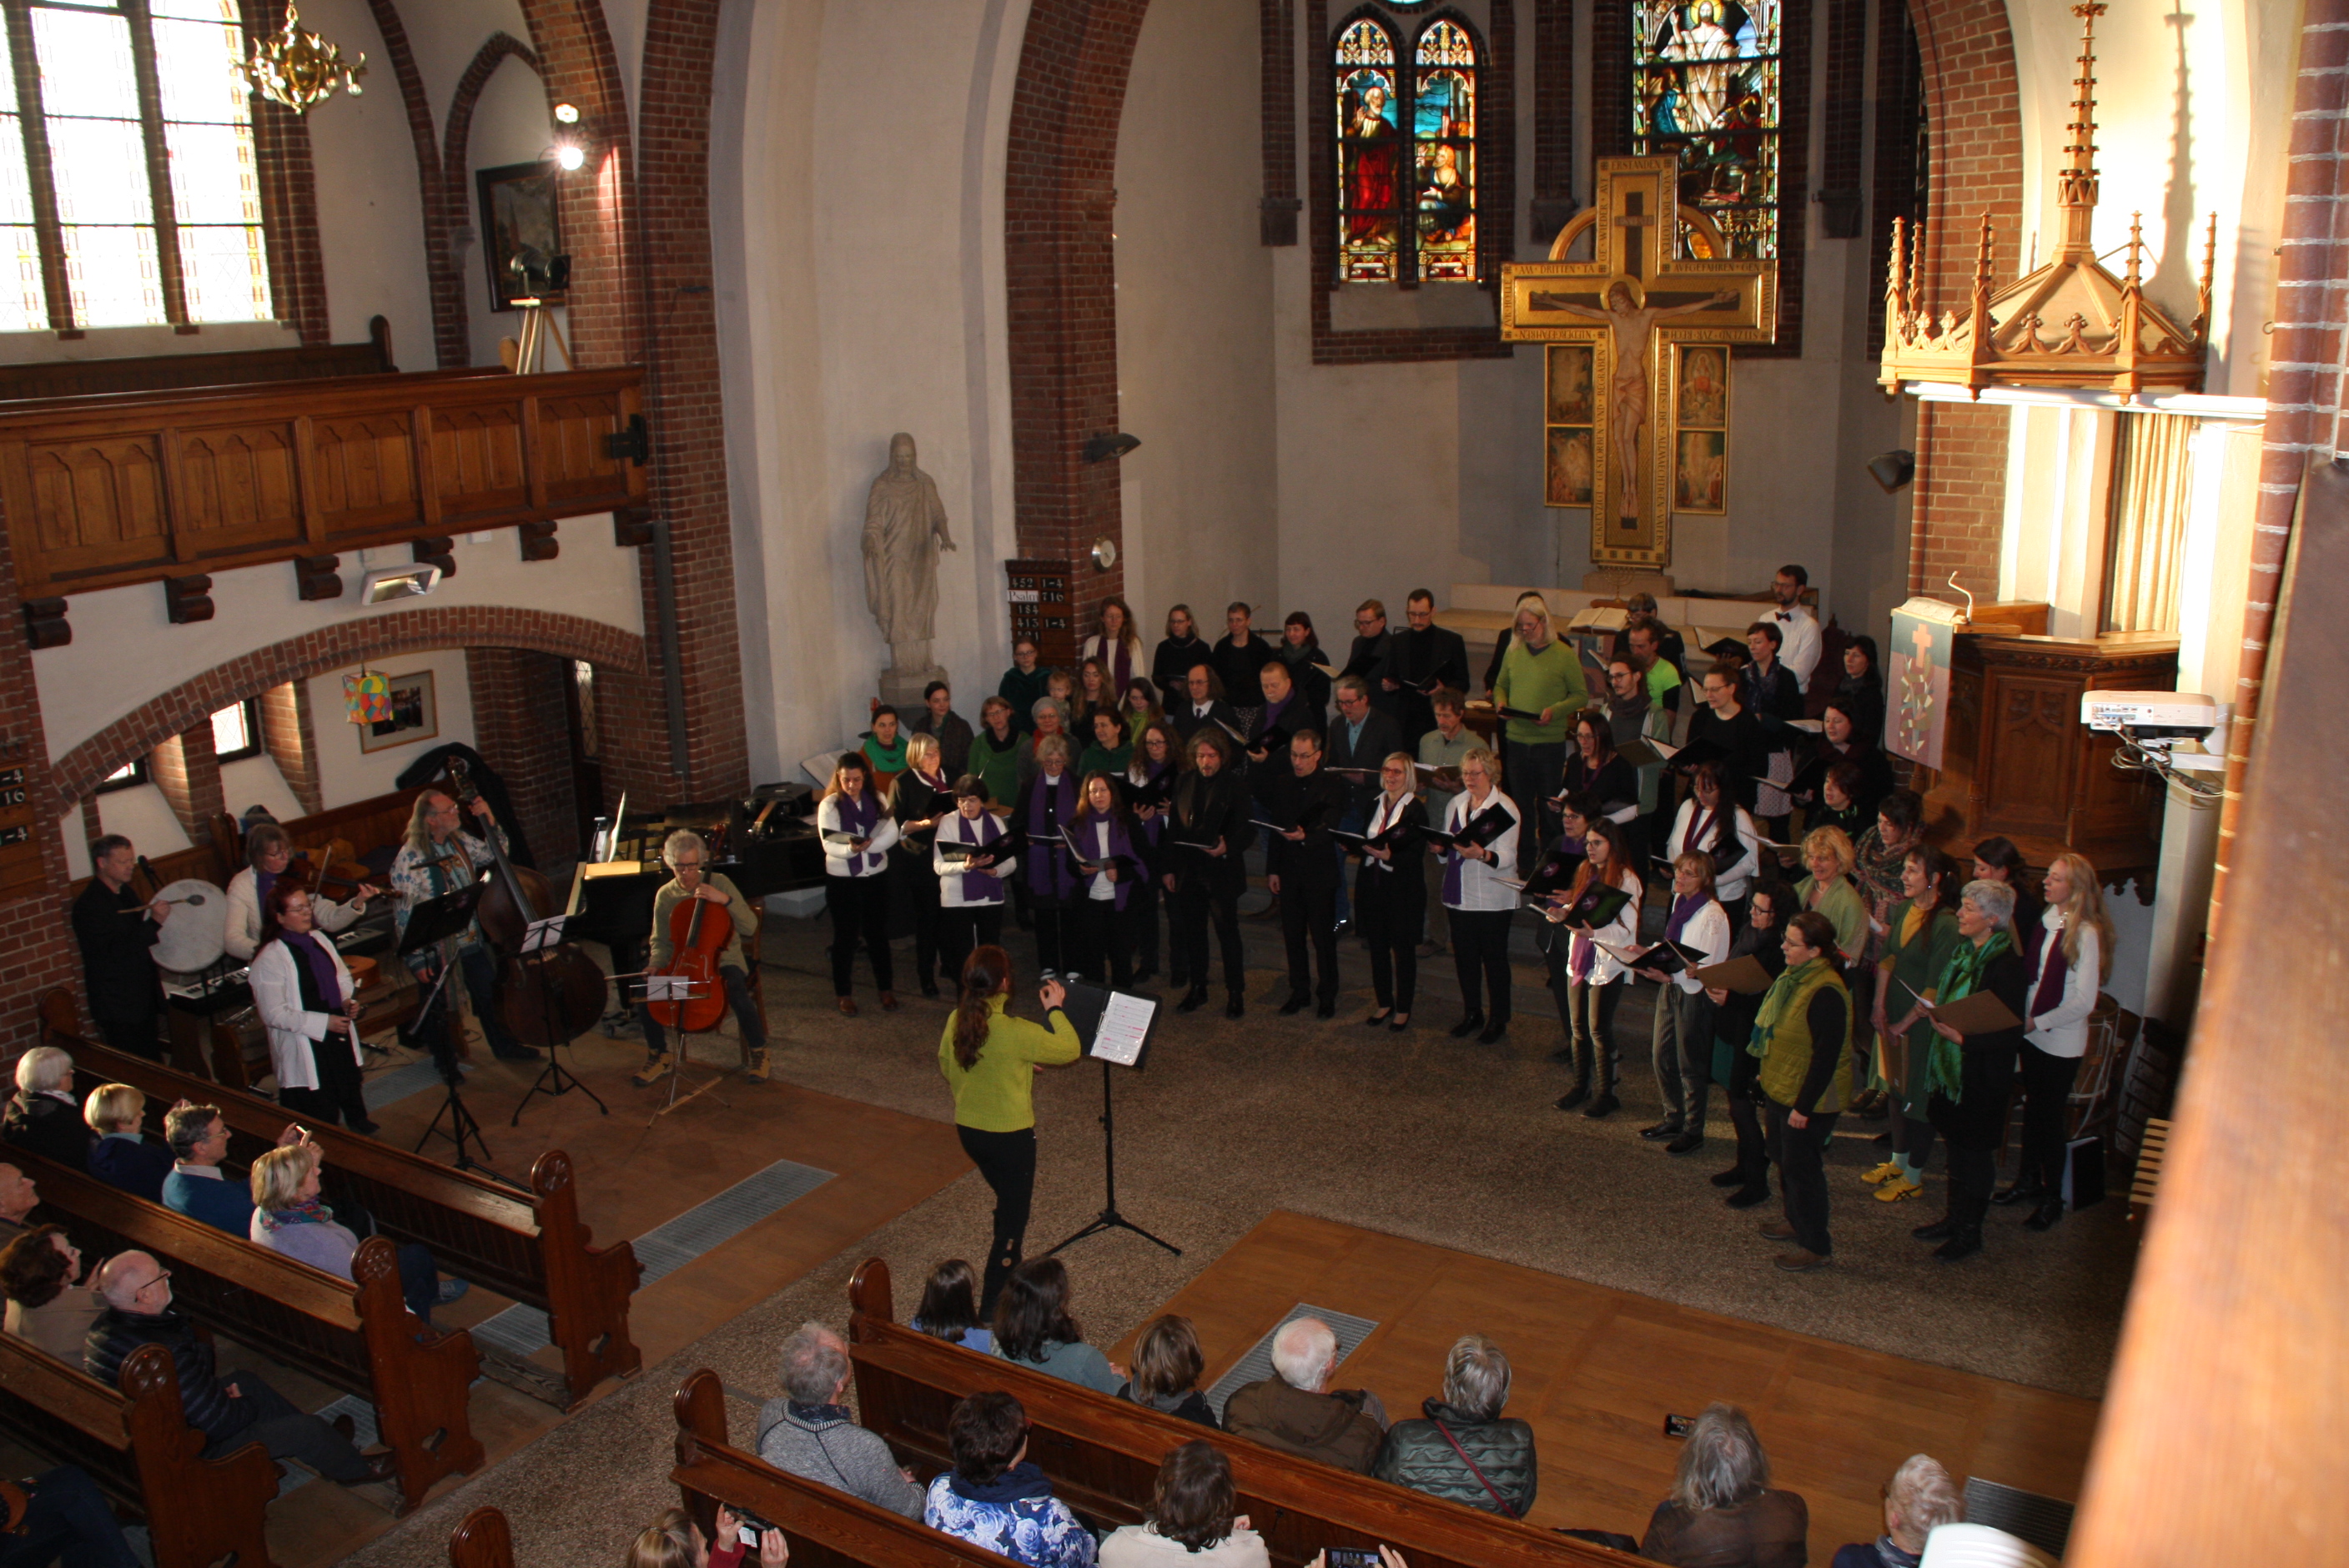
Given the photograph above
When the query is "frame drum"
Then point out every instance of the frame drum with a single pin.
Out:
(196, 935)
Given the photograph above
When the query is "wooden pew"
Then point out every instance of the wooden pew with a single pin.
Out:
(137, 1445)
(480, 1540)
(533, 1249)
(826, 1528)
(1103, 1455)
(354, 1334)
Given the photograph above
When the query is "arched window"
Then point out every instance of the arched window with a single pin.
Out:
(1406, 152)
(1704, 84)
(129, 192)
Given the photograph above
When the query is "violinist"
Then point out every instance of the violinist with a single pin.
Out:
(267, 853)
(687, 856)
(436, 860)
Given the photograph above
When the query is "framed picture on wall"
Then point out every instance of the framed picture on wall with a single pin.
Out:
(414, 717)
(521, 230)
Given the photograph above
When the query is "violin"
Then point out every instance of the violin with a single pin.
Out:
(695, 942)
(550, 996)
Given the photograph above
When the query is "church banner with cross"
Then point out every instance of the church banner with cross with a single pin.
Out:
(1636, 410)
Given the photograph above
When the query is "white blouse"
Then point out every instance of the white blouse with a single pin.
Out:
(1390, 811)
(960, 830)
(839, 861)
(2062, 1030)
(1730, 882)
(1481, 887)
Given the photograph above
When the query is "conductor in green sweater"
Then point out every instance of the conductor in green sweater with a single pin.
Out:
(990, 1060)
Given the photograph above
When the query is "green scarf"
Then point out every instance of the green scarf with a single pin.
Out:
(1790, 983)
(1945, 1068)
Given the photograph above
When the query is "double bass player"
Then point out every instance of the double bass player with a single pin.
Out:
(686, 855)
(436, 860)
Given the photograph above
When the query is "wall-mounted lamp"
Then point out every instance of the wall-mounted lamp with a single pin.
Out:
(566, 114)
(1114, 444)
(1893, 470)
(569, 154)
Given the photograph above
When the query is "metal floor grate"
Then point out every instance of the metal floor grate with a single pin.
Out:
(1256, 1365)
(2044, 1521)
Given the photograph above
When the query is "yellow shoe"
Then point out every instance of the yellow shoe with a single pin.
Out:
(755, 1067)
(1882, 1173)
(653, 1071)
(1898, 1188)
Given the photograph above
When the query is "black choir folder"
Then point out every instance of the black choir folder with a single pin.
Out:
(1477, 832)
(1664, 957)
(1115, 1026)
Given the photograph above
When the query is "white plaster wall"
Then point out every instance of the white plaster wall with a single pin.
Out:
(139, 814)
(344, 772)
(251, 781)
(371, 216)
(125, 651)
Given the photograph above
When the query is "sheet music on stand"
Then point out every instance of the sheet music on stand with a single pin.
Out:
(672, 988)
(1115, 1026)
(541, 934)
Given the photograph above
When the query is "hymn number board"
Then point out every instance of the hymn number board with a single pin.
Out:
(1635, 421)
(20, 852)
(1042, 608)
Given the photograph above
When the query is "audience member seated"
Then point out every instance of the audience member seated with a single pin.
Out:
(122, 1157)
(60, 1515)
(1721, 1512)
(809, 1432)
(674, 1540)
(1191, 1520)
(18, 1199)
(198, 1137)
(288, 1218)
(949, 1309)
(994, 1499)
(1033, 1328)
(1465, 1451)
(50, 1305)
(44, 1117)
(1296, 1411)
(1167, 1367)
(230, 1411)
(1919, 1499)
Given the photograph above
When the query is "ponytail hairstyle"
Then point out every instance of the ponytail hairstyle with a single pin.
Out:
(983, 974)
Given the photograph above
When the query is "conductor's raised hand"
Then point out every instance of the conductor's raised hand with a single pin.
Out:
(1054, 994)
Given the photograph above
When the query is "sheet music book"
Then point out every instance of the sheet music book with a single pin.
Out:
(956, 849)
(819, 767)
(1648, 753)
(1518, 712)
(1666, 958)
(834, 836)
(1743, 974)
(1808, 725)
(1555, 875)
(1982, 1013)
(1477, 832)
(1115, 1026)
(1445, 778)
(1604, 904)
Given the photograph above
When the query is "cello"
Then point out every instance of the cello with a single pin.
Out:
(695, 943)
(550, 996)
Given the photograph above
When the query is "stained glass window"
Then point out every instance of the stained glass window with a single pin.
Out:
(1704, 84)
(1370, 147)
(1417, 102)
(129, 247)
(1444, 152)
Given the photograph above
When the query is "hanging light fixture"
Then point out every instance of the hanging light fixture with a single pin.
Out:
(299, 70)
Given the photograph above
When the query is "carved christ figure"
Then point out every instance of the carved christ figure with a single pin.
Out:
(904, 527)
(1633, 325)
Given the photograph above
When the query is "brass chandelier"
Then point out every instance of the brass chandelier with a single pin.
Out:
(299, 70)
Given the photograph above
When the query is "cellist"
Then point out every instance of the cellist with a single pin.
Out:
(685, 855)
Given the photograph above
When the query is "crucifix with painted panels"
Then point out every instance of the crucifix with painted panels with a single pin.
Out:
(1636, 340)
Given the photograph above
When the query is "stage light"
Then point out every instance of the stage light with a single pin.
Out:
(569, 154)
(1893, 470)
(566, 114)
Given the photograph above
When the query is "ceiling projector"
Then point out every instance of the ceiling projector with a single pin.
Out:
(2150, 715)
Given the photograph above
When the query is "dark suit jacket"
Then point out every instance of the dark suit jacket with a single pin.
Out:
(114, 958)
(1380, 736)
(1205, 810)
(1186, 723)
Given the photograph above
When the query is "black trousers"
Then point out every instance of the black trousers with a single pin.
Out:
(68, 1520)
(1391, 918)
(1199, 897)
(289, 1432)
(1006, 1162)
(1058, 944)
(746, 1014)
(1973, 1172)
(133, 1036)
(341, 1094)
(2047, 1088)
(1308, 919)
(1480, 956)
(1802, 1174)
(1104, 940)
(1745, 1118)
(921, 885)
(1142, 914)
(860, 914)
(963, 930)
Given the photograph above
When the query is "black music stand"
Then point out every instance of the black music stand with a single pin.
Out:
(554, 1080)
(430, 924)
(1131, 1020)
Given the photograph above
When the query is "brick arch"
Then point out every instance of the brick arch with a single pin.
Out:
(148, 726)
(452, 194)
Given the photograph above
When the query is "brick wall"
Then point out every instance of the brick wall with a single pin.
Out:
(522, 728)
(1959, 509)
(36, 949)
(1841, 136)
(285, 178)
(1277, 92)
(1553, 203)
(1900, 183)
(186, 769)
(287, 735)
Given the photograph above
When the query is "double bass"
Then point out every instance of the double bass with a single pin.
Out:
(549, 998)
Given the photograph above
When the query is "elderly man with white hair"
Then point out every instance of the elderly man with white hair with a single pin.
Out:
(809, 1432)
(1919, 1500)
(43, 1116)
(1297, 1412)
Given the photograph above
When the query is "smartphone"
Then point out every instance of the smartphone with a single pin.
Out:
(751, 1527)
(749, 1536)
(1678, 1426)
(1350, 1557)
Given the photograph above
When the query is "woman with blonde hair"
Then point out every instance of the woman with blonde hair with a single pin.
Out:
(857, 833)
(121, 1157)
(288, 1218)
(2070, 956)
(1479, 899)
(1589, 979)
(1828, 852)
(674, 1540)
(1167, 1364)
(1391, 892)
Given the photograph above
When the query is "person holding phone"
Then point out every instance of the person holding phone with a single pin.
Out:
(990, 1060)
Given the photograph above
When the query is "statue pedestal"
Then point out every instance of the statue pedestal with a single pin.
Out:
(901, 689)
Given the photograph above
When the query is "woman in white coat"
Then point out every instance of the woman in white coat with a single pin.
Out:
(1590, 980)
(267, 853)
(2070, 956)
(305, 997)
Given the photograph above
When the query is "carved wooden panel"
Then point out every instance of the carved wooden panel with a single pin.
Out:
(571, 432)
(2028, 750)
(236, 489)
(477, 459)
(364, 468)
(96, 502)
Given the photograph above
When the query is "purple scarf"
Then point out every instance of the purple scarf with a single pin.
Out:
(1683, 910)
(262, 883)
(858, 817)
(321, 965)
(2055, 967)
(1050, 805)
(978, 887)
(1118, 658)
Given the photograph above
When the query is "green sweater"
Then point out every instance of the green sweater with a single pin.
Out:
(1534, 681)
(999, 768)
(1845, 911)
(993, 1094)
(1096, 761)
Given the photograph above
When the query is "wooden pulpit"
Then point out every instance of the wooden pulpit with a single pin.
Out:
(2017, 760)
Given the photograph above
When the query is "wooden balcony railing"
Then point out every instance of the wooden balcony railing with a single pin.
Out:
(129, 488)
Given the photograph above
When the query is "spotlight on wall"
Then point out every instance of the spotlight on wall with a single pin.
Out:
(388, 583)
(569, 154)
(566, 114)
(1893, 470)
(1116, 444)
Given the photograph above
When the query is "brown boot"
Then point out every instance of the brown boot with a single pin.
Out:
(1778, 1229)
(656, 1069)
(888, 1001)
(755, 1066)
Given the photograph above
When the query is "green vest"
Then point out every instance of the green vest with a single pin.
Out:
(1786, 1055)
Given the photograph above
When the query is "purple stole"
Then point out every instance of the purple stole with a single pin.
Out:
(983, 887)
(2054, 968)
(1049, 806)
(1120, 842)
(311, 956)
(858, 817)
(1273, 712)
(1683, 910)
(1117, 658)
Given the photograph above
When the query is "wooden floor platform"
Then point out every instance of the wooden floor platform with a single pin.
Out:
(1597, 1370)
